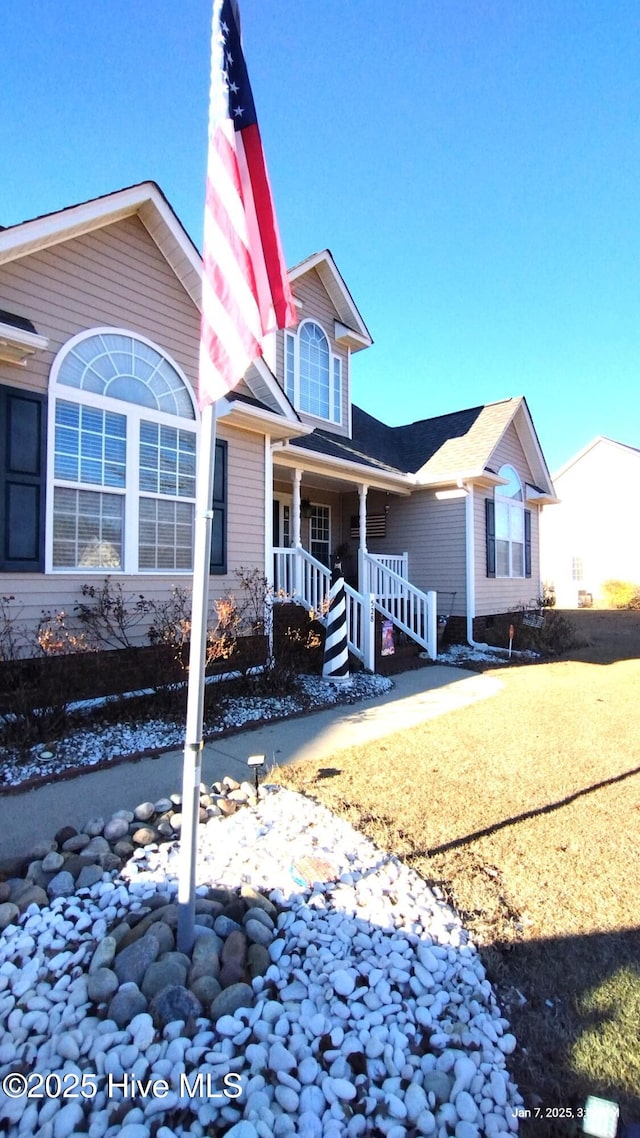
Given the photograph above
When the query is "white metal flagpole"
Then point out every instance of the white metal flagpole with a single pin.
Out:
(245, 294)
(192, 768)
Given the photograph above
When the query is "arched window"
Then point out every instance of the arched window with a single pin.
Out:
(123, 459)
(313, 374)
(509, 525)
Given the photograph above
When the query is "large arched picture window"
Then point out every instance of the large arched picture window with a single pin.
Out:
(313, 374)
(509, 522)
(123, 457)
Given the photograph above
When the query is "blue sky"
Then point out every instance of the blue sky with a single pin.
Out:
(473, 165)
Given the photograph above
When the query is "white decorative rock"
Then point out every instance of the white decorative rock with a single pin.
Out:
(343, 982)
(287, 1098)
(466, 1129)
(466, 1108)
(280, 1059)
(415, 1101)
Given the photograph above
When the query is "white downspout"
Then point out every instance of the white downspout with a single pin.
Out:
(268, 510)
(471, 568)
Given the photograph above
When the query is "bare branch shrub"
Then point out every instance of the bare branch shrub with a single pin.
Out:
(109, 616)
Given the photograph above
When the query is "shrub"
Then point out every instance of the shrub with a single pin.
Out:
(28, 719)
(12, 635)
(621, 594)
(108, 616)
(556, 635)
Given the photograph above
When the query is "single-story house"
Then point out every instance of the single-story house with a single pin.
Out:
(99, 334)
(590, 538)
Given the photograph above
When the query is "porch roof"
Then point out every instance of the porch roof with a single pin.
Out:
(433, 451)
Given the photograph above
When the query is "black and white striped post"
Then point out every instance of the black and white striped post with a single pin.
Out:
(336, 655)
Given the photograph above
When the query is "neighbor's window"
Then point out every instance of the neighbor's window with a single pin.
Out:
(124, 457)
(313, 374)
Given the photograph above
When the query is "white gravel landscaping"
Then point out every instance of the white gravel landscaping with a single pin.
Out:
(90, 743)
(374, 1017)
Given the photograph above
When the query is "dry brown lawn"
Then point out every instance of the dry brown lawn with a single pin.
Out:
(525, 810)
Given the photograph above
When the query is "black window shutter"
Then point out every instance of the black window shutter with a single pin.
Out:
(490, 519)
(22, 478)
(219, 506)
(527, 543)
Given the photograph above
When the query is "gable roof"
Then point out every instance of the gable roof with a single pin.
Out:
(589, 447)
(350, 327)
(145, 200)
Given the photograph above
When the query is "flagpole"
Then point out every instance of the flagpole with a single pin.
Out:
(192, 766)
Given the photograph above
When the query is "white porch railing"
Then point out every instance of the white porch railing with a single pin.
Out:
(300, 577)
(397, 563)
(409, 608)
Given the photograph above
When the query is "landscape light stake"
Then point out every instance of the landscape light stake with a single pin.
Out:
(256, 761)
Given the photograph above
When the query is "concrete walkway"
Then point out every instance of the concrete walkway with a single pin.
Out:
(416, 697)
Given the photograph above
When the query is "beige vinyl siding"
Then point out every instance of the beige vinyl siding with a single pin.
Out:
(316, 305)
(37, 595)
(117, 277)
(503, 594)
(245, 504)
(431, 531)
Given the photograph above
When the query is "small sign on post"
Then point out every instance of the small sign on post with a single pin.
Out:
(388, 645)
(512, 633)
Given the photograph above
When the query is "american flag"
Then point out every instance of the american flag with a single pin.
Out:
(245, 289)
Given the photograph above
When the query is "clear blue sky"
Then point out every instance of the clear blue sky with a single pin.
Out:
(473, 165)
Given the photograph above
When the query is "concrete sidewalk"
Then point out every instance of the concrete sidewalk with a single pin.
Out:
(416, 697)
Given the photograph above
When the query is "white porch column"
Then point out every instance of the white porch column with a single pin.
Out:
(295, 507)
(363, 585)
(295, 532)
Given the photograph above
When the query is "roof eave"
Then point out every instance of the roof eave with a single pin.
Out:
(478, 475)
(17, 344)
(344, 468)
(260, 420)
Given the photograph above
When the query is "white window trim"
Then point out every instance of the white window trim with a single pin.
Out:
(133, 412)
(327, 507)
(512, 504)
(334, 358)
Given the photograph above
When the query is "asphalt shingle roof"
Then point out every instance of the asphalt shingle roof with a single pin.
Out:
(14, 321)
(462, 440)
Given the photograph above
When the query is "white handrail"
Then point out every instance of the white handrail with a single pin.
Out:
(396, 562)
(408, 607)
(299, 576)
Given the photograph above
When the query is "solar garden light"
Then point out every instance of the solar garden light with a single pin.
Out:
(256, 761)
(600, 1117)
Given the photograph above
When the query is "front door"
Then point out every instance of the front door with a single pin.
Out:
(319, 533)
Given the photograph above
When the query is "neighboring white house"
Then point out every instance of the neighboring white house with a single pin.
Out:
(592, 535)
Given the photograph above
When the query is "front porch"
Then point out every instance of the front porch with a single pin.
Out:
(325, 511)
(300, 577)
